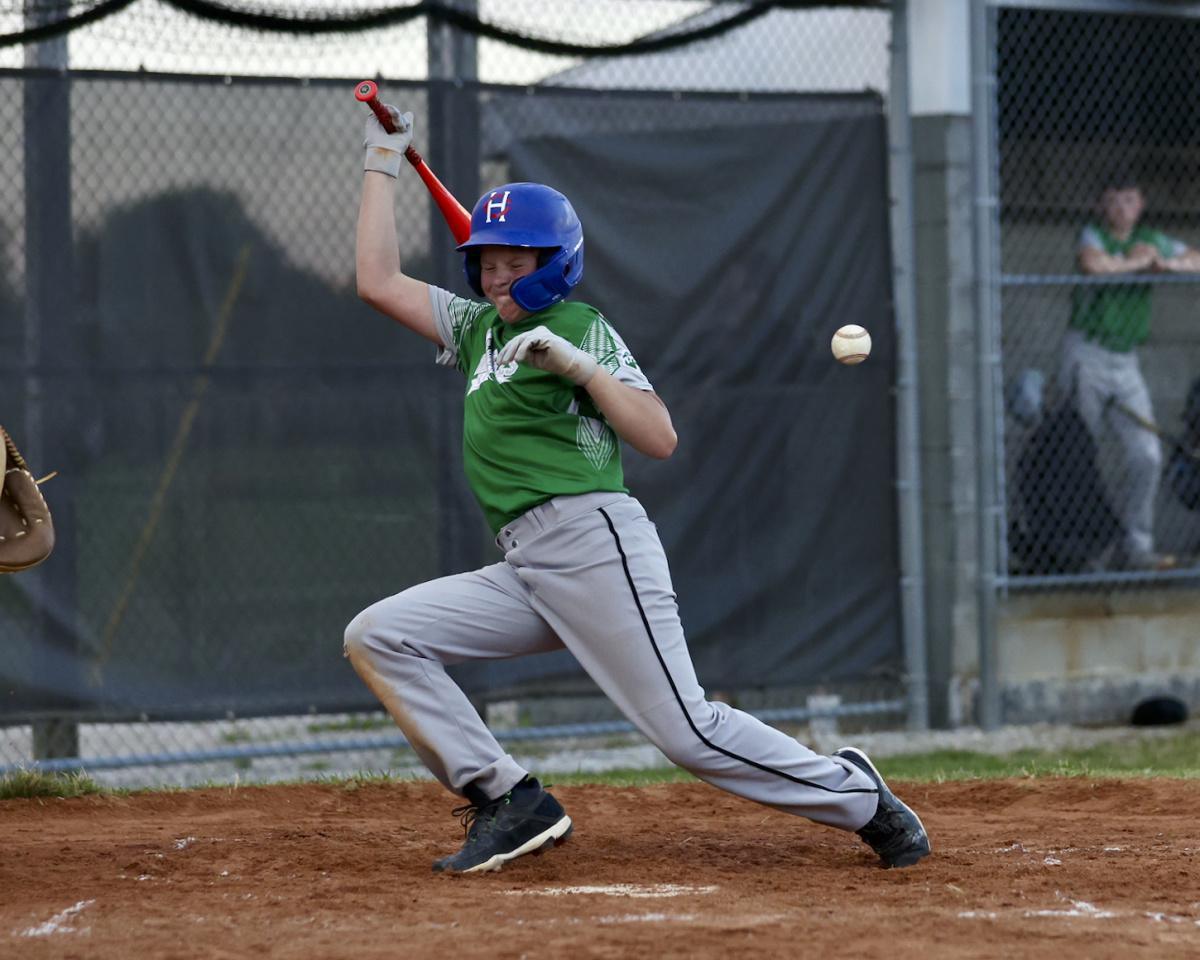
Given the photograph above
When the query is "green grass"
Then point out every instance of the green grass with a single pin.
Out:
(353, 724)
(1171, 756)
(28, 784)
(619, 778)
(366, 778)
(1176, 755)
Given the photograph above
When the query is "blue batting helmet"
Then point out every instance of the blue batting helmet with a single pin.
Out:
(535, 216)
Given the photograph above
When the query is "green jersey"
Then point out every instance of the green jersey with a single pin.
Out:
(529, 435)
(1117, 316)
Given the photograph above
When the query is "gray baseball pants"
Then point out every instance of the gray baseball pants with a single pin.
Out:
(587, 573)
(1097, 375)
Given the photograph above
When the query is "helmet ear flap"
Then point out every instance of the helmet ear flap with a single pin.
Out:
(472, 270)
(552, 282)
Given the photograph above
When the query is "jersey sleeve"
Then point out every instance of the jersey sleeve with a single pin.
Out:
(1169, 246)
(454, 317)
(1090, 239)
(607, 348)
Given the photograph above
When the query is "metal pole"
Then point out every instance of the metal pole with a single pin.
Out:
(50, 431)
(908, 430)
(452, 147)
(987, 274)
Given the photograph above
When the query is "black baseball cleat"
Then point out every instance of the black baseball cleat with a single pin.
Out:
(525, 820)
(895, 832)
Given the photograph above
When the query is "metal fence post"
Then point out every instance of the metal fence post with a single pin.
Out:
(49, 310)
(983, 88)
(453, 148)
(908, 431)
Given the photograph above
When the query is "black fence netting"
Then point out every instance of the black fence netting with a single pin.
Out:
(248, 455)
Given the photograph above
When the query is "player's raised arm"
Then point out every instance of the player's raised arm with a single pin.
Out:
(381, 282)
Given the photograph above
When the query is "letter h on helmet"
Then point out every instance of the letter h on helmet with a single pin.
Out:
(532, 216)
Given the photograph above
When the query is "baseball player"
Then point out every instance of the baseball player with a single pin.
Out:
(550, 390)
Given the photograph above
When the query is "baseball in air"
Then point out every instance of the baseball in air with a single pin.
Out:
(851, 344)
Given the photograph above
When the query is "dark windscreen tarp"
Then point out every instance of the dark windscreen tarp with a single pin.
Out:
(248, 455)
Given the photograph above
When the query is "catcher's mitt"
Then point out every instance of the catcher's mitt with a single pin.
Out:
(26, 530)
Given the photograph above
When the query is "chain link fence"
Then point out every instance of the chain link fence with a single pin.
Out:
(180, 338)
(630, 44)
(1099, 187)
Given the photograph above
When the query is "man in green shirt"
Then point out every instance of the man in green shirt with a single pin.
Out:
(1100, 368)
(550, 387)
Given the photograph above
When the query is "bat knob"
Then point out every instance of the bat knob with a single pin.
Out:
(366, 91)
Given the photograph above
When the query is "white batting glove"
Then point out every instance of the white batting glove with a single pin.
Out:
(548, 351)
(385, 150)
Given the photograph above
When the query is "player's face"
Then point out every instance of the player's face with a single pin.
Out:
(1122, 208)
(499, 269)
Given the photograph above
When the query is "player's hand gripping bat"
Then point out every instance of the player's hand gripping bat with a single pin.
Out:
(456, 216)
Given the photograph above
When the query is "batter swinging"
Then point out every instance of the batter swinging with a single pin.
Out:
(550, 389)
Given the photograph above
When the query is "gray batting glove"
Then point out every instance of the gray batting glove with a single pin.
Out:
(385, 150)
(548, 351)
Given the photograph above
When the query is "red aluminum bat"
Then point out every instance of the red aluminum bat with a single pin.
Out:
(457, 218)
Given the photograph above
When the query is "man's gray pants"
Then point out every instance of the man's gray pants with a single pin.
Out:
(587, 573)
(1098, 378)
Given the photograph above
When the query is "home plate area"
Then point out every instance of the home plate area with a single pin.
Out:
(1033, 868)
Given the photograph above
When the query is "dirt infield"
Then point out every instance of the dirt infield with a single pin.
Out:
(1047, 868)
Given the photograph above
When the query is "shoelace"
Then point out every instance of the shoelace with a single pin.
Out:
(471, 815)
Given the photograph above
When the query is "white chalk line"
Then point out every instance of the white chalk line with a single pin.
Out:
(1079, 908)
(709, 920)
(618, 890)
(631, 890)
(1017, 847)
(58, 922)
(1082, 909)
